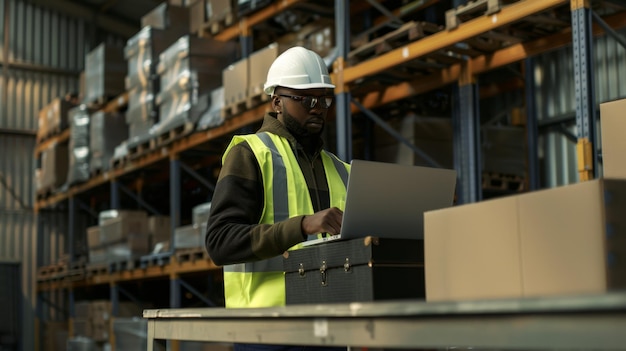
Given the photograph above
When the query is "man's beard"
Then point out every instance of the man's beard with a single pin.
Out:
(298, 130)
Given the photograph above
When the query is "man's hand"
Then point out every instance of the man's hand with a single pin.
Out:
(325, 221)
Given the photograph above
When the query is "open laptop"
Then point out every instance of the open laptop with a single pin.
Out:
(388, 200)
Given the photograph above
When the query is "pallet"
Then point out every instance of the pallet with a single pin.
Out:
(119, 162)
(191, 254)
(43, 194)
(96, 269)
(174, 134)
(93, 173)
(100, 102)
(409, 32)
(49, 134)
(124, 265)
(496, 181)
(234, 109)
(256, 100)
(50, 272)
(140, 149)
(155, 260)
(472, 9)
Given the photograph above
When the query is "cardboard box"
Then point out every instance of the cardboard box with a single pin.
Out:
(105, 69)
(613, 124)
(260, 62)
(93, 237)
(167, 16)
(235, 80)
(558, 241)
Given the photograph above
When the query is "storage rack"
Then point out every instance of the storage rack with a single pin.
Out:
(458, 66)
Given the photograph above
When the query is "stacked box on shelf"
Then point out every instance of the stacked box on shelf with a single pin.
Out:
(189, 70)
(213, 116)
(235, 78)
(96, 253)
(52, 173)
(79, 156)
(244, 79)
(259, 63)
(142, 53)
(200, 216)
(167, 16)
(123, 236)
(188, 237)
(105, 69)
(159, 229)
(108, 130)
(211, 13)
(53, 118)
(246, 7)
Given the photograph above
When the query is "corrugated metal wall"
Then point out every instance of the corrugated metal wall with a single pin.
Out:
(41, 60)
(556, 99)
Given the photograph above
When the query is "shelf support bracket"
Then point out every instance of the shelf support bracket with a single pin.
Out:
(196, 293)
(139, 200)
(197, 176)
(466, 136)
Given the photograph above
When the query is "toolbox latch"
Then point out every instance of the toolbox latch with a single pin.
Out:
(346, 265)
(301, 270)
(323, 273)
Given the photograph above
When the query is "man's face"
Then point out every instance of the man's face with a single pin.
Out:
(296, 111)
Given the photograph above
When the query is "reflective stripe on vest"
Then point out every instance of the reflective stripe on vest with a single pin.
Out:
(261, 283)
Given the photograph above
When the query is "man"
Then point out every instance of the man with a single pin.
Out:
(277, 187)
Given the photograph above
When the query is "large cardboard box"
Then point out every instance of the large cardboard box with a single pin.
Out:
(558, 241)
(236, 79)
(260, 62)
(613, 124)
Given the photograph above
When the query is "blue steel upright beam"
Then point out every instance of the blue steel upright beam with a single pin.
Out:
(584, 89)
(174, 199)
(71, 228)
(342, 94)
(532, 130)
(466, 129)
(115, 195)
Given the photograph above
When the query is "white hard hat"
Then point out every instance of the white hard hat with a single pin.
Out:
(297, 68)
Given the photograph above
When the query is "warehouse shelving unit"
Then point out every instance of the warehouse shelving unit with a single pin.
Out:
(425, 59)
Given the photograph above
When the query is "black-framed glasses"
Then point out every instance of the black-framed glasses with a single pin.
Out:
(311, 101)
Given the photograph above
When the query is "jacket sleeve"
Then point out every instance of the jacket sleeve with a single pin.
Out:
(234, 234)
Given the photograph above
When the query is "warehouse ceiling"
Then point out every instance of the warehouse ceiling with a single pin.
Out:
(120, 17)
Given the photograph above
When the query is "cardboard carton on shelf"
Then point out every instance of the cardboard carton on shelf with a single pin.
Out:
(559, 241)
(613, 124)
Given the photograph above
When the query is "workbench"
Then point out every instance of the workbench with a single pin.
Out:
(587, 322)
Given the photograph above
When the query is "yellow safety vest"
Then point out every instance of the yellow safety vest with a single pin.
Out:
(262, 283)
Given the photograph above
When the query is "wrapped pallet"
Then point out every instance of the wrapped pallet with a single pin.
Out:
(189, 70)
(54, 165)
(108, 130)
(79, 145)
(124, 234)
(105, 69)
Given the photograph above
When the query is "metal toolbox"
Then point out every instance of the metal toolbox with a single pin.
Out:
(357, 270)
